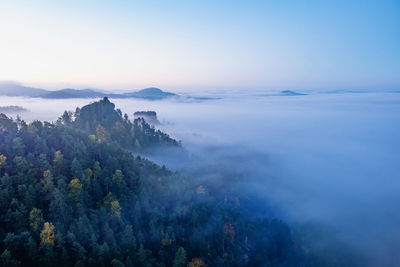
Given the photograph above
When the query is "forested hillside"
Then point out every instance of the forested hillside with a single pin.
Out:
(108, 124)
(70, 195)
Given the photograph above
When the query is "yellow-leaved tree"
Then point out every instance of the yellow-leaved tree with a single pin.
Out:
(48, 234)
(196, 262)
(88, 173)
(115, 208)
(58, 157)
(2, 159)
(74, 186)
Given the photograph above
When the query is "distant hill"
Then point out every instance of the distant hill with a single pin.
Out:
(150, 93)
(283, 93)
(14, 89)
(290, 93)
(12, 109)
(347, 91)
(73, 93)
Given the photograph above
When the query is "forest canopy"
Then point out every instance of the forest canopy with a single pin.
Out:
(72, 195)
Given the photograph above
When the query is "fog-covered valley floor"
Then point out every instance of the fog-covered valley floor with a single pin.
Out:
(329, 159)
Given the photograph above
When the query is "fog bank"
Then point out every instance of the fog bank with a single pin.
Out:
(332, 159)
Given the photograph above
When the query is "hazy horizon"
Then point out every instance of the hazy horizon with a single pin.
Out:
(202, 91)
(201, 46)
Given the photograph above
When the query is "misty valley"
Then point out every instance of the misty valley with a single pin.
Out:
(239, 180)
(200, 133)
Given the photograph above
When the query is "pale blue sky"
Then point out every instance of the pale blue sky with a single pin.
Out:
(194, 45)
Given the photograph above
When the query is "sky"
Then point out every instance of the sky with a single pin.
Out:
(197, 45)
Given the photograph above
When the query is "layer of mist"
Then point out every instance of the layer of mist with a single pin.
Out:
(328, 159)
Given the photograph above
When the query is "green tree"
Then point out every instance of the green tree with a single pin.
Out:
(21, 163)
(7, 260)
(180, 259)
(66, 118)
(36, 219)
(18, 146)
(142, 256)
(59, 209)
(48, 184)
(58, 162)
(76, 168)
(118, 181)
(43, 163)
(128, 241)
(117, 263)
(97, 169)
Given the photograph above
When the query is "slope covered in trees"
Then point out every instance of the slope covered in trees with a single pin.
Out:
(69, 197)
(106, 123)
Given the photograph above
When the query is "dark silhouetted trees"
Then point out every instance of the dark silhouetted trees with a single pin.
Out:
(71, 195)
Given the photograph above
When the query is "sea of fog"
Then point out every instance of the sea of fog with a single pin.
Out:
(331, 159)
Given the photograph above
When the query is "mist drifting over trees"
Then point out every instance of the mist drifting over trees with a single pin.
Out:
(318, 183)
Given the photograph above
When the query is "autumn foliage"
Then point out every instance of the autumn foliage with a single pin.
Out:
(196, 262)
(48, 234)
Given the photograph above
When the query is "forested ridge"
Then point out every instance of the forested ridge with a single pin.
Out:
(72, 195)
(106, 123)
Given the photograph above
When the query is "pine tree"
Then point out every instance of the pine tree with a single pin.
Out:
(76, 168)
(117, 263)
(180, 259)
(58, 162)
(36, 219)
(6, 259)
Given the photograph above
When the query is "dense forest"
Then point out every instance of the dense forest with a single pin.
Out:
(106, 123)
(71, 194)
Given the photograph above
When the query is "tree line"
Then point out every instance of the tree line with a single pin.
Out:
(70, 195)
